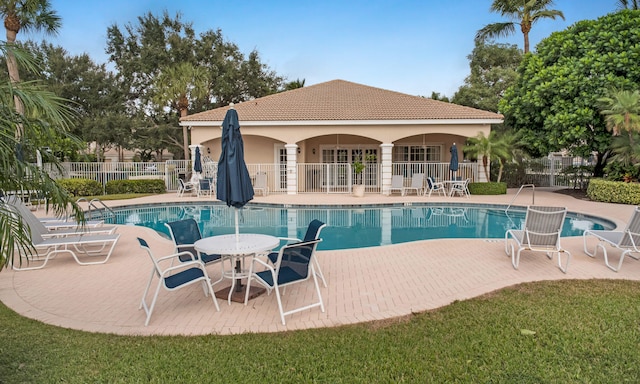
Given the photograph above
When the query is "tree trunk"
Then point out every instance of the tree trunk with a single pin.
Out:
(485, 163)
(14, 77)
(185, 135)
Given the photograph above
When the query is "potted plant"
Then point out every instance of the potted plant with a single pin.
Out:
(358, 185)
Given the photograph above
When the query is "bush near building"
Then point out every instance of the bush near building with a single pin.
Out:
(490, 188)
(614, 191)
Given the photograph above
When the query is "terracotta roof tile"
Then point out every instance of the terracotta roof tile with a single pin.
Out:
(344, 100)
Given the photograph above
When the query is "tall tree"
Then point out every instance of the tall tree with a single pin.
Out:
(143, 50)
(45, 116)
(176, 87)
(622, 112)
(90, 90)
(493, 70)
(554, 102)
(295, 84)
(524, 13)
(484, 147)
(25, 15)
(629, 4)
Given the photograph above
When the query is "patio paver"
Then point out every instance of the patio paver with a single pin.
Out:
(363, 284)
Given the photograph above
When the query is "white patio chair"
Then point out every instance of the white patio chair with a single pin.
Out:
(417, 184)
(627, 240)
(460, 188)
(185, 187)
(541, 233)
(205, 187)
(261, 184)
(174, 277)
(312, 233)
(433, 186)
(397, 184)
(293, 265)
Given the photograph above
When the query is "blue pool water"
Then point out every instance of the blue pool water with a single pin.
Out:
(351, 227)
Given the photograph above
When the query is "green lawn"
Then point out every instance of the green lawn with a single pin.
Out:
(546, 332)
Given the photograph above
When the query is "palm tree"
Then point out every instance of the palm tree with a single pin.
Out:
(522, 12)
(45, 117)
(622, 111)
(485, 147)
(177, 87)
(629, 4)
(26, 15)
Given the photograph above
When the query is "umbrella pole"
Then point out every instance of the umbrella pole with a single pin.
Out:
(237, 227)
(238, 267)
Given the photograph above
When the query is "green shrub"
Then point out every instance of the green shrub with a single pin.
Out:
(614, 191)
(490, 188)
(81, 187)
(135, 186)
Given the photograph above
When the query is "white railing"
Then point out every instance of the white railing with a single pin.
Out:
(311, 177)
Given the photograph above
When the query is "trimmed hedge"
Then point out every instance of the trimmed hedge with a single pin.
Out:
(135, 186)
(614, 191)
(490, 188)
(81, 187)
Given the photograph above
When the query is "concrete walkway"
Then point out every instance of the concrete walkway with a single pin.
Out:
(363, 284)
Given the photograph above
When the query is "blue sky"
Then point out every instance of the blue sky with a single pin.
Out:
(409, 46)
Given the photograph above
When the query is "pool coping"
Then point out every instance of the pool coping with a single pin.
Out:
(400, 280)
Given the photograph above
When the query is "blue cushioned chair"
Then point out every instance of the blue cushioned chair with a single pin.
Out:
(294, 264)
(173, 278)
(313, 233)
(186, 232)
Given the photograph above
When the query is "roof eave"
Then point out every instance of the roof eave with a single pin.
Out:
(280, 123)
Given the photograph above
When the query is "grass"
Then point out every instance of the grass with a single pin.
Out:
(582, 331)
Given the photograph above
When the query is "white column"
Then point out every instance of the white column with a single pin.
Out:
(292, 174)
(385, 164)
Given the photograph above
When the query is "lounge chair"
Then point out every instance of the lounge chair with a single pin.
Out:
(80, 246)
(541, 233)
(433, 186)
(293, 265)
(313, 233)
(397, 184)
(261, 184)
(627, 240)
(58, 229)
(174, 277)
(417, 184)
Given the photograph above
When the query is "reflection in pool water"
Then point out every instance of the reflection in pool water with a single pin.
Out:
(351, 227)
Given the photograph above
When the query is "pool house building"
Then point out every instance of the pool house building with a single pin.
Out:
(307, 139)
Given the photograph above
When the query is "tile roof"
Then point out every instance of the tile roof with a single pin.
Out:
(344, 100)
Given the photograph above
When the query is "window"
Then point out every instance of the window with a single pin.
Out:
(417, 153)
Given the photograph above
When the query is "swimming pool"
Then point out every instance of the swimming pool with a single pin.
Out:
(351, 227)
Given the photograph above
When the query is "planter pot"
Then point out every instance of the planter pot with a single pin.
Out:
(358, 190)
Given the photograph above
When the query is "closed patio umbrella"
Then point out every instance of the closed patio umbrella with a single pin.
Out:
(453, 164)
(233, 183)
(197, 161)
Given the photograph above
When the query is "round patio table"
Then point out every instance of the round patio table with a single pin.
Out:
(237, 247)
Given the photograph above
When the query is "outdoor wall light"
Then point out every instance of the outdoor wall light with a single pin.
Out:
(313, 150)
(298, 151)
(209, 151)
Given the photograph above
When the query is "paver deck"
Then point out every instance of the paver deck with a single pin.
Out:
(363, 284)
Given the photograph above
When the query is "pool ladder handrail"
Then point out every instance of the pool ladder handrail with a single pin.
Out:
(93, 205)
(533, 195)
